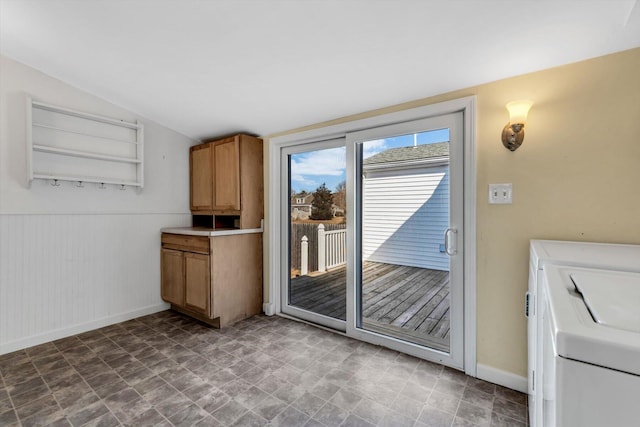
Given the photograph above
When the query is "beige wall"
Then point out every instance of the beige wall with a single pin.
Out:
(576, 177)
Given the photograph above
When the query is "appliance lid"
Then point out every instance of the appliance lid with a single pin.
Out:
(614, 303)
(607, 256)
(602, 329)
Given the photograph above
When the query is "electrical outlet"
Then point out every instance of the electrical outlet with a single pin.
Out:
(500, 194)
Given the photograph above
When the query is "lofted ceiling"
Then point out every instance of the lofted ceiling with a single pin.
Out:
(213, 67)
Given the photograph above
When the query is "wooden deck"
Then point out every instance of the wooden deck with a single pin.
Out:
(410, 303)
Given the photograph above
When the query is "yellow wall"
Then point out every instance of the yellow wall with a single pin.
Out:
(576, 177)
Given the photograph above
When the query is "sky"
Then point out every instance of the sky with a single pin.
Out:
(311, 169)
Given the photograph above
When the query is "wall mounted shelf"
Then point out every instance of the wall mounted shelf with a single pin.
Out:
(69, 145)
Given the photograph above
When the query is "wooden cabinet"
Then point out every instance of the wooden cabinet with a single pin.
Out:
(172, 275)
(226, 179)
(216, 279)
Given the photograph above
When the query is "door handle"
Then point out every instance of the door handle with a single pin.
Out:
(450, 245)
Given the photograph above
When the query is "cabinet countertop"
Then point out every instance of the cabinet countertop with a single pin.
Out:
(201, 231)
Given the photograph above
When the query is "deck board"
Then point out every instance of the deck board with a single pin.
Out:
(409, 302)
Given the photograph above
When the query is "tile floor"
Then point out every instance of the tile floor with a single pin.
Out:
(166, 369)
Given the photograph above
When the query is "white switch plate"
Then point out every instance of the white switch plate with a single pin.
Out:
(500, 194)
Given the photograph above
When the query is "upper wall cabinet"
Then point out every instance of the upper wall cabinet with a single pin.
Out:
(69, 145)
(226, 179)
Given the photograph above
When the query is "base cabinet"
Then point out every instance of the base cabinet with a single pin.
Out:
(215, 279)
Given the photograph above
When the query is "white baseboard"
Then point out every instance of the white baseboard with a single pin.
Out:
(269, 308)
(57, 334)
(503, 378)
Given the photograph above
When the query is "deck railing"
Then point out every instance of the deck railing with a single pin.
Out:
(331, 250)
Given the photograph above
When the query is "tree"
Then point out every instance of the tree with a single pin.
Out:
(321, 205)
(340, 196)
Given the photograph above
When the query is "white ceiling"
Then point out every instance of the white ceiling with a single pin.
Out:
(212, 67)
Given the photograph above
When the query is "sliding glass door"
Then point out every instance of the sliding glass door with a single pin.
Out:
(371, 235)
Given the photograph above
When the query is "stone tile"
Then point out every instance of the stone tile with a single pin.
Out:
(229, 413)
(407, 407)
(111, 388)
(42, 406)
(433, 417)
(331, 415)
(461, 422)
(45, 419)
(132, 410)
(476, 414)
(149, 384)
(88, 413)
(451, 388)
(481, 385)
(498, 420)
(159, 394)
(175, 404)
(251, 397)
(199, 390)
(213, 401)
(345, 399)
(355, 421)
(151, 417)
(270, 408)
(510, 409)
(444, 402)
(118, 400)
(454, 375)
(511, 395)
(290, 417)
(9, 418)
(370, 410)
(477, 397)
(188, 416)
(309, 404)
(71, 399)
(289, 394)
(72, 380)
(393, 419)
(415, 391)
(250, 419)
(207, 421)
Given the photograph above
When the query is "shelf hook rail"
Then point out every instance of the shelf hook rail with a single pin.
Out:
(102, 186)
(80, 184)
(55, 183)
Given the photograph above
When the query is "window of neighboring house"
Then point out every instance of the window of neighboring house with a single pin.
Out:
(299, 201)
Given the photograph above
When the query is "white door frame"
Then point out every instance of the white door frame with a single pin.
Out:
(465, 105)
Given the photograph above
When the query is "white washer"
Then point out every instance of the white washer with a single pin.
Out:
(591, 347)
(550, 252)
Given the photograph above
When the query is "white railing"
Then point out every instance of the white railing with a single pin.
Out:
(335, 242)
(331, 250)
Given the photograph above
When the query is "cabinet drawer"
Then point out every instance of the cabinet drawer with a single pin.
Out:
(181, 242)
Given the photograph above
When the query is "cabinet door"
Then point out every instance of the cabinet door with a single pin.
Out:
(226, 179)
(197, 282)
(201, 177)
(172, 277)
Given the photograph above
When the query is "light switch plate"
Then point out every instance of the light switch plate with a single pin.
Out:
(500, 194)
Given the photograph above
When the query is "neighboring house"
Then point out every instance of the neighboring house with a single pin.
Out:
(406, 206)
(301, 205)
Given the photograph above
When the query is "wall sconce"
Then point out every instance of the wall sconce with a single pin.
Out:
(513, 132)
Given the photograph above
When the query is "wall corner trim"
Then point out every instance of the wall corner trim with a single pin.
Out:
(269, 308)
(503, 378)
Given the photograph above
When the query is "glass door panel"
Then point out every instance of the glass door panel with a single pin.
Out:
(405, 213)
(406, 199)
(315, 286)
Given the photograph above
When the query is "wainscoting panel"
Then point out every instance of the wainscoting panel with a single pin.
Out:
(63, 274)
